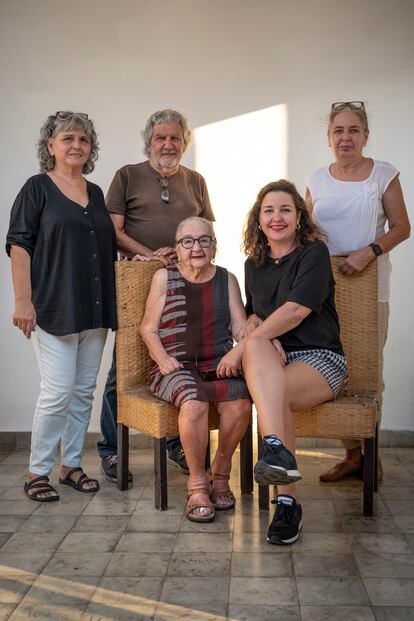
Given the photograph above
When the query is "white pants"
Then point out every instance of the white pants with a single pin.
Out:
(68, 367)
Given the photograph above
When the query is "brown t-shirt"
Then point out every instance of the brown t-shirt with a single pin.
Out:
(135, 193)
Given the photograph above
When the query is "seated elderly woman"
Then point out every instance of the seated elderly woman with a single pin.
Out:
(290, 290)
(193, 312)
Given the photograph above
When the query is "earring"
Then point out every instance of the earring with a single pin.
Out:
(260, 228)
(298, 226)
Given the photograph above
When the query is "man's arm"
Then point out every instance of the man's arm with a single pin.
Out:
(126, 244)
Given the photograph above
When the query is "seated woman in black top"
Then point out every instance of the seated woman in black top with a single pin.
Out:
(62, 245)
(290, 291)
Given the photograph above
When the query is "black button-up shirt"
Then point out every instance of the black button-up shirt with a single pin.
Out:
(72, 251)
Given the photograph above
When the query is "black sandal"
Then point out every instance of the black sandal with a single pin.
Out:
(40, 485)
(79, 485)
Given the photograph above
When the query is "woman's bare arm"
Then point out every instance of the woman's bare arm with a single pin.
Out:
(151, 323)
(24, 316)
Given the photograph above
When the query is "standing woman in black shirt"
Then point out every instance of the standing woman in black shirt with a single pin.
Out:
(63, 247)
(290, 295)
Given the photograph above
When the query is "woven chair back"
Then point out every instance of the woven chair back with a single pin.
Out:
(133, 281)
(356, 299)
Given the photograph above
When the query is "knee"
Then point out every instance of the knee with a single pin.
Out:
(55, 401)
(193, 411)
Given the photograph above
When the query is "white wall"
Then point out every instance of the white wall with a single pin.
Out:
(120, 61)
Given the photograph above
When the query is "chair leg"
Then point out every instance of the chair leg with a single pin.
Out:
(369, 458)
(123, 456)
(207, 462)
(160, 473)
(263, 489)
(376, 457)
(246, 461)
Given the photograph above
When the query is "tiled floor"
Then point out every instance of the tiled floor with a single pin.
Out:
(113, 556)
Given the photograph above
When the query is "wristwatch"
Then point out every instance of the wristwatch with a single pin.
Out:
(377, 250)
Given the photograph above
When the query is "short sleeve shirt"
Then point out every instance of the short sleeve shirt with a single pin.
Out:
(72, 251)
(135, 193)
(304, 276)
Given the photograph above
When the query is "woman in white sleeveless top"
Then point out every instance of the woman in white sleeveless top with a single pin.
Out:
(359, 203)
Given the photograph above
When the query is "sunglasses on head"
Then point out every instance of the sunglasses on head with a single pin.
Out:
(62, 115)
(352, 105)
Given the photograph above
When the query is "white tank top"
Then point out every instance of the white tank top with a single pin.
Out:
(352, 215)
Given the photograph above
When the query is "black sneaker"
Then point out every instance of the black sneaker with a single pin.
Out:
(109, 466)
(287, 521)
(177, 458)
(277, 466)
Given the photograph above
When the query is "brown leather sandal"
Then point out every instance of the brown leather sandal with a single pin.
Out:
(226, 493)
(205, 505)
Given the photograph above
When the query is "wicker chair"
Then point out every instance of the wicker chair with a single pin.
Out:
(137, 407)
(355, 413)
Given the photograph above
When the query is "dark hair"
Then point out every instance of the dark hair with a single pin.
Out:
(52, 126)
(255, 244)
(359, 112)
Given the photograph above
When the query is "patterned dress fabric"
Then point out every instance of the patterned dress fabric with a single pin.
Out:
(195, 328)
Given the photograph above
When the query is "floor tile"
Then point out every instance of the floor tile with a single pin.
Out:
(360, 524)
(394, 613)
(113, 506)
(10, 523)
(138, 564)
(199, 612)
(385, 565)
(338, 613)
(76, 564)
(146, 542)
(390, 591)
(332, 591)
(100, 523)
(324, 565)
(14, 588)
(6, 611)
(264, 613)
(156, 522)
(254, 591)
(89, 542)
(12, 563)
(128, 590)
(200, 564)
(63, 590)
(323, 543)
(203, 542)
(256, 542)
(30, 542)
(54, 612)
(189, 591)
(405, 523)
(43, 523)
(380, 543)
(265, 565)
(105, 612)
(22, 508)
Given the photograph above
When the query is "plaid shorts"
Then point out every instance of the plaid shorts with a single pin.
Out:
(331, 366)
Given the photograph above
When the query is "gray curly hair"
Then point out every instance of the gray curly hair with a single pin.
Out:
(165, 116)
(55, 124)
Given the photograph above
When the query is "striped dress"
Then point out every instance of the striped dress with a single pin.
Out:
(195, 329)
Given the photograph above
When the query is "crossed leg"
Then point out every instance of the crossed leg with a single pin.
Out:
(277, 390)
